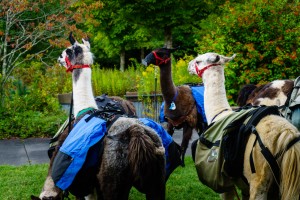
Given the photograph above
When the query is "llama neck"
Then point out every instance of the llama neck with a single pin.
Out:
(215, 101)
(82, 90)
(168, 88)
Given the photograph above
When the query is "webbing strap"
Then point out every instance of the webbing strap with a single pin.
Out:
(269, 157)
(251, 158)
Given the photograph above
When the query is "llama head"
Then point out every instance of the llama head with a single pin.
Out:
(158, 56)
(76, 55)
(205, 61)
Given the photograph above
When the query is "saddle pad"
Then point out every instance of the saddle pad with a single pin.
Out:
(72, 154)
(198, 94)
(162, 133)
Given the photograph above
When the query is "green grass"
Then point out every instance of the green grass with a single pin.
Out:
(18, 183)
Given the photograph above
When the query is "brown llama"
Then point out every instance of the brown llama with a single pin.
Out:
(276, 93)
(180, 107)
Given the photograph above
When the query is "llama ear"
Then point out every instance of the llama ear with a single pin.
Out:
(227, 59)
(86, 42)
(213, 58)
(72, 39)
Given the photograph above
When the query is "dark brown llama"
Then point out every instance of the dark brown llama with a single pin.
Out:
(180, 107)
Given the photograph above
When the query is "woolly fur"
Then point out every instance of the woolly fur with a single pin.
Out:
(276, 132)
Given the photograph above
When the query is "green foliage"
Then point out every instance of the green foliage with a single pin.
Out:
(20, 182)
(112, 81)
(180, 75)
(265, 35)
(30, 124)
(34, 111)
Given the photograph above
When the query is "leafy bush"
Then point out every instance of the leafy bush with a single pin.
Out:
(30, 124)
(31, 107)
(263, 34)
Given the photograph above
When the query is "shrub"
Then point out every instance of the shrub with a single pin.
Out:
(263, 34)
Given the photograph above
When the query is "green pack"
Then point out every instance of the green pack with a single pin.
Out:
(209, 155)
(291, 110)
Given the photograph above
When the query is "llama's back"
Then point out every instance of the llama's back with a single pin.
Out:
(133, 155)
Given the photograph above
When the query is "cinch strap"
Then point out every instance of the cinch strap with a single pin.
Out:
(268, 156)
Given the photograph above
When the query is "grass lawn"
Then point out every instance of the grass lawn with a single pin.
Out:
(18, 183)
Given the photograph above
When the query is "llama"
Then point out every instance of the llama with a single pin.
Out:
(274, 132)
(133, 153)
(180, 107)
(278, 92)
(273, 93)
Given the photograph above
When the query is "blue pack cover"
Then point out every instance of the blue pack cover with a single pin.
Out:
(198, 94)
(161, 113)
(75, 148)
(163, 134)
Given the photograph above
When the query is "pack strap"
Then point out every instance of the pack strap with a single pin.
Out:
(208, 143)
(258, 114)
(268, 156)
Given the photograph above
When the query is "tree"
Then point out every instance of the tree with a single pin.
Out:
(30, 29)
(145, 24)
(265, 35)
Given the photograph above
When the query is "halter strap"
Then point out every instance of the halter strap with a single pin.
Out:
(70, 67)
(200, 72)
(159, 60)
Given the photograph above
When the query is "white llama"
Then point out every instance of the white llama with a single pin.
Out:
(133, 153)
(275, 132)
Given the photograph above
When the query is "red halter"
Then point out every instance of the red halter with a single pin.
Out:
(70, 67)
(200, 72)
(159, 60)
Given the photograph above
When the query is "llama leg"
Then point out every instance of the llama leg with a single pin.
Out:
(50, 190)
(91, 197)
(187, 134)
(228, 195)
(259, 184)
(170, 128)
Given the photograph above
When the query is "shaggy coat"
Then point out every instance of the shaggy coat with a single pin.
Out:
(133, 154)
(275, 132)
(273, 93)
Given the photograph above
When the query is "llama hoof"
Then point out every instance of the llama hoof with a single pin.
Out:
(32, 197)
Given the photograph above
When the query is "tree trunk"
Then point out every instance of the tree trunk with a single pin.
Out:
(122, 60)
(168, 37)
(142, 54)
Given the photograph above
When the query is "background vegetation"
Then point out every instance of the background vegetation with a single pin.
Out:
(265, 35)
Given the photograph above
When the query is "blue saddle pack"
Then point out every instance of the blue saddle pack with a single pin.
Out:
(73, 152)
(198, 94)
(78, 151)
(165, 137)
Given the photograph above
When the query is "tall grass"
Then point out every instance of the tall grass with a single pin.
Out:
(138, 78)
(113, 82)
(18, 183)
